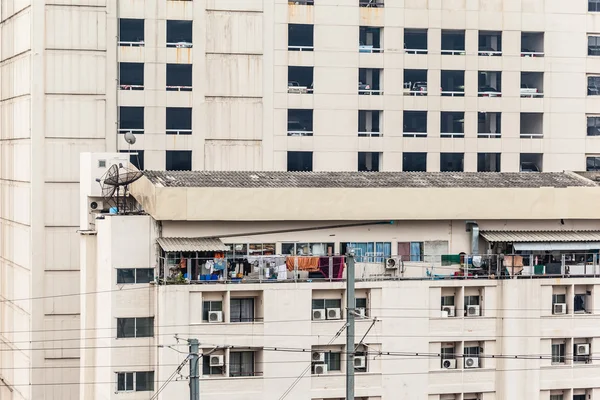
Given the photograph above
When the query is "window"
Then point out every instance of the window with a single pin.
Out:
(532, 125)
(207, 369)
(135, 381)
(300, 80)
(453, 83)
(490, 43)
(559, 299)
(532, 84)
(490, 84)
(369, 39)
(592, 163)
(581, 352)
(489, 125)
(532, 44)
(472, 306)
(452, 124)
(415, 41)
(214, 305)
(241, 363)
(370, 3)
(579, 302)
(415, 124)
(531, 162)
(593, 86)
(333, 360)
(300, 122)
(131, 76)
(453, 42)
(179, 34)
(300, 37)
(370, 81)
(131, 32)
(135, 327)
(261, 249)
(414, 162)
(299, 161)
(138, 275)
(242, 310)
(451, 162)
(579, 397)
(447, 352)
(131, 119)
(307, 249)
(323, 304)
(593, 45)
(471, 351)
(447, 301)
(558, 353)
(369, 161)
(556, 397)
(361, 302)
(179, 121)
(179, 160)
(593, 126)
(369, 123)
(136, 157)
(412, 251)
(488, 162)
(368, 251)
(179, 77)
(593, 6)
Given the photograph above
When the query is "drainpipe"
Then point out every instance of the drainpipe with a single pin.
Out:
(474, 229)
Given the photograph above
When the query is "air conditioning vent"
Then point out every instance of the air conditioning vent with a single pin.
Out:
(96, 206)
(582, 349)
(318, 357)
(449, 364)
(559, 308)
(320, 369)
(361, 312)
(392, 263)
(360, 362)
(448, 311)
(318, 314)
(473, 311)
(471, 362)
(215, 316)
(217, 361)
(334, 313)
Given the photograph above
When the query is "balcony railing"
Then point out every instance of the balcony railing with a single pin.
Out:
(301, 48)
(489, 135)
(134, 131)
(532, 135)
(415, 51)
(131, 44)
(179, 88)
(370, 134)
(179, 131)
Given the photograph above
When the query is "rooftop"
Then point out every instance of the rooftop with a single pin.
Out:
(277, 179)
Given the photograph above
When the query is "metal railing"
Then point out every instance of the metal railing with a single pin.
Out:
(452, 135)
(180, 45)
(301, 48)
(131, 87)
(300, 90)
(301, 2)
(532, 54)
(452, 93)
(489, 135)
(415, 51)
(532, 95)
(369, 49)
(134, 131)
(370, 92)
(414, 134)
(131, 44)
(300, 133)
(179, 88)
(531, 135)
(370, 3)
(489, 53)
(453, 52)
(489, 94)
(179, 131)
(370, 134)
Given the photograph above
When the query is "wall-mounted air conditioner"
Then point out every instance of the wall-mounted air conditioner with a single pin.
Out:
(449, 364)
(334, 313)
(95, 206)
(471, 362)
(473, 311)
(448, 311)
(582, 349)
(559, 308)
(217, 360)
(360, 362)
(215, 316)
(318, 357)
(318, 314)
(392, 263)
(361, 312)
(320, 369)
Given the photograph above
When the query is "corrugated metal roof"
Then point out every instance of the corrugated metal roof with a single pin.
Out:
(541, 236)
(282, 179)
(191, 244)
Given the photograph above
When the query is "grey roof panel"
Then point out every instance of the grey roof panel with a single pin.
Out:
(170, 244)
(277, 179)
(541, 236)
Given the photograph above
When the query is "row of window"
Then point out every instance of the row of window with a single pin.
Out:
(178, 120)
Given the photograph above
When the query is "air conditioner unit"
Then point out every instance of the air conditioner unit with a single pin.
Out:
(559, 308)
(448, 311)
(582, 349)
(334, 313)
(361, 312)
(96, 206)
(217, 361)
(320, 369)
(318, 314)
(215, 316)
(471, 362)
(360, 362)
(473, 311)
(318, 357)
(392, 263)
(449, 364)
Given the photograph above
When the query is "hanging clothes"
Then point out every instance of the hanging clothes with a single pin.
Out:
(310, 264)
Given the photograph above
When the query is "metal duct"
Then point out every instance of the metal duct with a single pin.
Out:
(474, 229)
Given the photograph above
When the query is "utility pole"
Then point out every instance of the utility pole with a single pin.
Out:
(350, 314)
(194, 369)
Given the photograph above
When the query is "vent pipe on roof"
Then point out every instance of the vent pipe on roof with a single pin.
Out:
(474, 229)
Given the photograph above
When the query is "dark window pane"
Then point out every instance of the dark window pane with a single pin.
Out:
(144, 381)
(131, 74)
(241, 363)
(179, 118)
(593, 164)
(299, 161)
(451, 162)
(414, 162)
(178, 76)
(144, 275)
(333, 303)
(179, 33)
(361, 303)
(144, 327)
(129, 381)
(318, 304)
(242, 310)
(136, 158)
(179, 160)
(125, 276)
(121, 382)
(125, 327)
(131, 118)
(333, 361)
(131, 30)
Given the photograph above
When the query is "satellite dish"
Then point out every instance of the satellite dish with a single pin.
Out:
(115, 182)
(130, 137)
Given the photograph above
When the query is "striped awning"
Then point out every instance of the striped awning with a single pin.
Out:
(172, 244)
(541, 236)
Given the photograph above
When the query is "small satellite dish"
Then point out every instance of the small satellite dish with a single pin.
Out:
(129, 137)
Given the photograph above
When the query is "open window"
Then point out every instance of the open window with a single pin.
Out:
(582, 300)
(532, 44)
(453, 83)
(452, 124)
(179, 77)
(582, 351)
(415, 82)
(532, 84)
(490, 84)
(370, 81)
(301, 37)
(453, 42)
(488, 162)
(300, 123)
(531, 162)
(448, 353)
(131, 119)
(472, 355)
(532, 125)
(179, 33)
(299, 161)
(414, 162)
(489, 125)
(300, 80)
(452, 162)
(370, 39)
(178, 160)
(131, 32)
(131, 76)
(415, 41)
(369, 161)
(179, 121)
(490, 43)
(369, 123)
(415, 124)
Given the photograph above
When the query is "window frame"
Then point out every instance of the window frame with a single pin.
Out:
(333, 360)
(595, 125)
(558, 357)
(595, 161)
(241, 364)
(136, 274)
(596, 47)
(369, 256)
(207, 369)
(326, 303)
(241, 318)
(206, 310)
(135, 378)
(122, 327)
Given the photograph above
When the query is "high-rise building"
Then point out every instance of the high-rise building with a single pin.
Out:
(350, 85)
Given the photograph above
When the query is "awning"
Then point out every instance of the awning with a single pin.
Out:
(191, 244)
(540, 236)
(549, 246)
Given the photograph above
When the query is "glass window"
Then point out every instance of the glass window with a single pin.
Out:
(579, 302)
(556, 397)
(558, 353)
(593, 126)
(135, 327)
(447, 300)
(242, 310)
(207, 369)
(241, 363)
(592, 163)
(593, 6)
(559, 299)
(125, 327)
(593, 86)
(144, 275)
(211, 306)
(333, 361)
(321, 304)
(368, 251)
(178, 160)
(136, 157)
(125, 381)
(144, 381)
(472, 351)
(593, 45)
(125, 275)
(130, 275)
